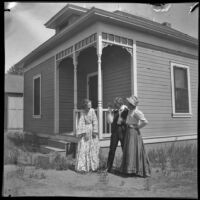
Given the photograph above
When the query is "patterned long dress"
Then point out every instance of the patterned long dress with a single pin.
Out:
(87, 155)
(134, 160)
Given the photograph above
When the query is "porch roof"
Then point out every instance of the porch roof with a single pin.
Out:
(95, 14)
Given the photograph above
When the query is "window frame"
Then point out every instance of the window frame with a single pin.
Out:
(174, 113)
(35, 77)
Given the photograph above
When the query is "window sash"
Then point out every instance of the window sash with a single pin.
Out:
(37, 96)
(181, 91)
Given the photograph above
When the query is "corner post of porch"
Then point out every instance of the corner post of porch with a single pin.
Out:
(56, 96)
(99, 53)
(134, 70)
(75, 63)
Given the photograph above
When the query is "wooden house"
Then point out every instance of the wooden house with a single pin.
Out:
(100, 55)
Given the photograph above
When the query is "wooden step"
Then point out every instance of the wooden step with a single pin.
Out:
(64, 137)
(48, 149)
(58, 143)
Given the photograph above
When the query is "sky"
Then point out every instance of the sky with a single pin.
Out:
(24, 25)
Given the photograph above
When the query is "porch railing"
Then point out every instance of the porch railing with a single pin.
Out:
(106, 126)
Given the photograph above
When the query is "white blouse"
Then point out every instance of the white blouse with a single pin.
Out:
(134, 116)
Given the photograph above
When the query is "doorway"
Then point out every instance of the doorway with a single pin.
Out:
(92, 88)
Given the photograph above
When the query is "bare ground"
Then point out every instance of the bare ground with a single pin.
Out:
(29, 181)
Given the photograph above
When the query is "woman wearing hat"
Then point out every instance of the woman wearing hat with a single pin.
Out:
(135, 160)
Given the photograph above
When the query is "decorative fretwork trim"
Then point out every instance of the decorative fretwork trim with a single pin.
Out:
(115, 39)
(64, 53)
(85, 42)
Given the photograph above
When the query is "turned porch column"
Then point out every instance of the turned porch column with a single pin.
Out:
(75, 63)
(56, 97)
(134, 70)
(100, 115)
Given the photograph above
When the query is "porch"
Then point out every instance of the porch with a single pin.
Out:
(96, 68)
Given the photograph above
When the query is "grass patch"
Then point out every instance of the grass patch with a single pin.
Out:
(174, 157)
(22, 148)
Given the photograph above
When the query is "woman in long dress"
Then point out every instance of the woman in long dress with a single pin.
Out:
(135, 160)
(87, 156)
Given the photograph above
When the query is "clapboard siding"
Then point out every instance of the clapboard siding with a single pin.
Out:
(66, 95)
(45, 124)
(116, 69)
(154, 92)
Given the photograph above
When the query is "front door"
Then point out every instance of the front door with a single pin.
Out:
(93, 89)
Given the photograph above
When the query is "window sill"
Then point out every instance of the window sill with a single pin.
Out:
(181, 115)
(36, 116)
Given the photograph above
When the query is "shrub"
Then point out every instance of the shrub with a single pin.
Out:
(11, 153)
(42, 161)
(16, 137)
(60, 163)
(37, 175)
(63, 164)
(23, 140)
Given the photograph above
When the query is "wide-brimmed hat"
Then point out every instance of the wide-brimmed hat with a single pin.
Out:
(133, 100)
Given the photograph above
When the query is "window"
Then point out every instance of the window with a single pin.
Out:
(181, 99)
(37, 96)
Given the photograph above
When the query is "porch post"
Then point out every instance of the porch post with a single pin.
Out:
(75, 63)
(134, 70)
(99, 53)
(56, 97)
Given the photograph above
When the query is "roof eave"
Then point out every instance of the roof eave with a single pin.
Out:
(76, 9)
(154, 28)
(105, 14)
(57, 36)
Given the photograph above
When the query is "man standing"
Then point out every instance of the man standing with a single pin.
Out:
(117, 118)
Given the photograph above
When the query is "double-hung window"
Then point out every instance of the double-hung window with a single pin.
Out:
(181, 97)
(37, 96)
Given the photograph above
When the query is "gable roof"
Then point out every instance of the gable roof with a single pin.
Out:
(94, 14)
(14, 83)
(68, 10)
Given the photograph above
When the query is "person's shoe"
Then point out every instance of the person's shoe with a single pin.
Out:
(147, 175)
(109, 170)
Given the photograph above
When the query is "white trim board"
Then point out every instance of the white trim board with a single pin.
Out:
(156, 139)
(174, 114)
(35, 77)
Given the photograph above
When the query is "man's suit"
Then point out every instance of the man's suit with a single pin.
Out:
(117, 134)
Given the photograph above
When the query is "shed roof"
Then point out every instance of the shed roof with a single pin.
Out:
(14, 83)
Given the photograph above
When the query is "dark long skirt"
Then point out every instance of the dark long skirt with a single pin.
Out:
(135, 160)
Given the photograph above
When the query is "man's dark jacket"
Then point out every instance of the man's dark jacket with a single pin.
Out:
(116, 116)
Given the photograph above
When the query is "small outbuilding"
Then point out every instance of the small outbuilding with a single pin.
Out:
(13, 102)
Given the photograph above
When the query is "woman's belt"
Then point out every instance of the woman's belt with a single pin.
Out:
(132, 125)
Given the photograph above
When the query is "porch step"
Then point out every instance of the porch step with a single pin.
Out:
(48, 149)
(58, 143)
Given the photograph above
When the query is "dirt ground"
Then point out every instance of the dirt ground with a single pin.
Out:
(28, 181)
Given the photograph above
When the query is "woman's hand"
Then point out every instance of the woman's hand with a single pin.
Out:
(86, 137)
(142, 124)
(81, 135)
(94, 134)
